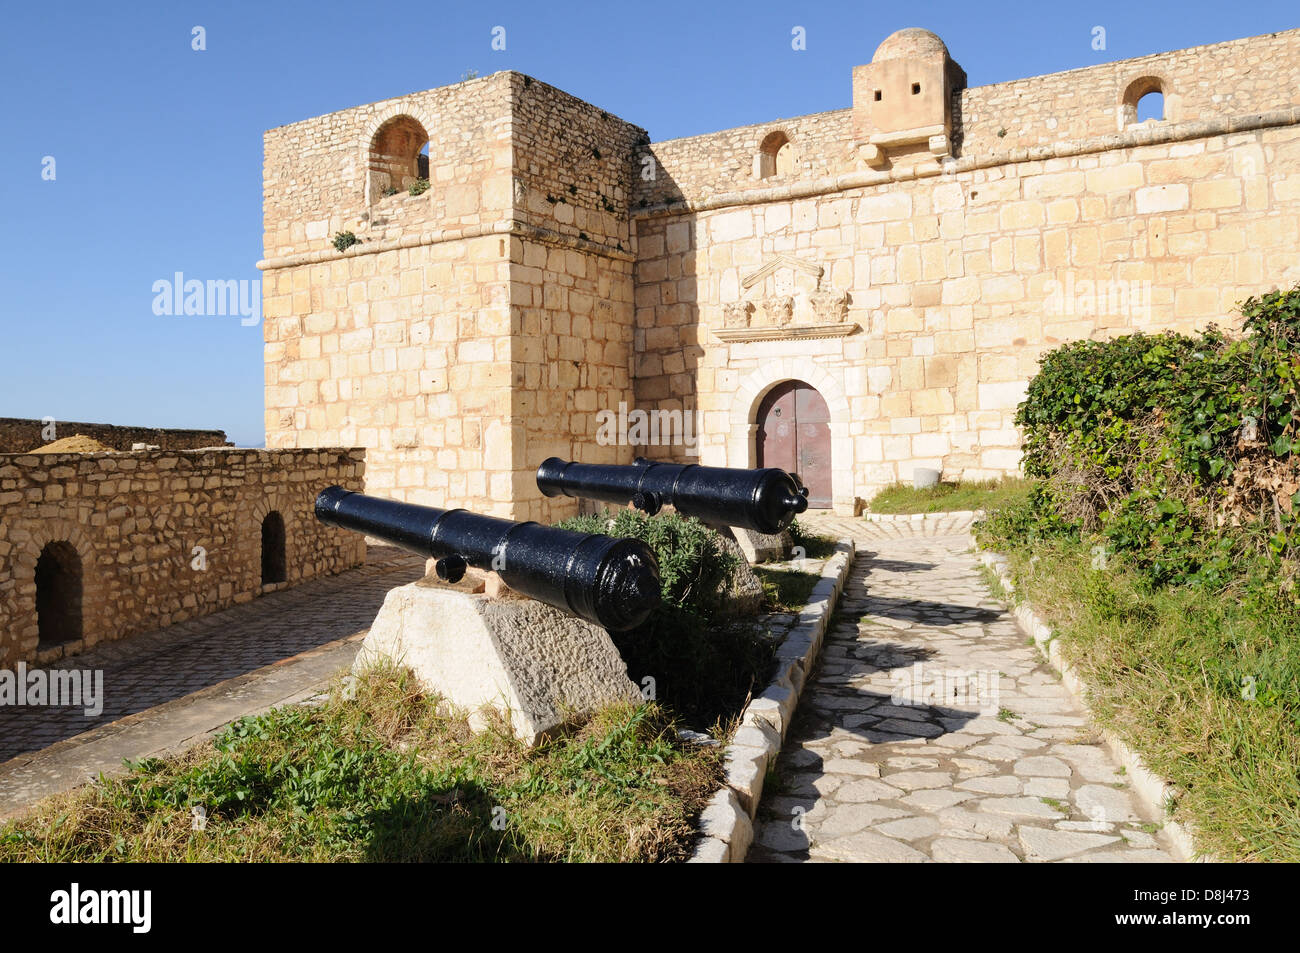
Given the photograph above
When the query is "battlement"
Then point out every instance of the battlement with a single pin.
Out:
(997, 121)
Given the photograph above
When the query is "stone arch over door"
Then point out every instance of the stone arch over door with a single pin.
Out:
(742, 437)
(20, 638)
(273, 502)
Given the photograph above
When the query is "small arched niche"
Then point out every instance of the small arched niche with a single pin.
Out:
(399, 155)
(775, 156)
(1146, 98)
(274, 567)
(58, 594)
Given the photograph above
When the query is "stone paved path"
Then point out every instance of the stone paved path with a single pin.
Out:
(153, 668)
(933, 731)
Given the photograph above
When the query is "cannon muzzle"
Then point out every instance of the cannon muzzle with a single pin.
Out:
(611, 582)
(766, 500)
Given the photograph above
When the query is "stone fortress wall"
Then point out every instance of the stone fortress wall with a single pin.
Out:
(939, 274)
(21, 435)
(475, 326)
(104, 543)
(910, 257)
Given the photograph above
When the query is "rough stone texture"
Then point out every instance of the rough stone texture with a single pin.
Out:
(741, 594)
(762, 547)
(538, 665)
(931, 731)
(134, 520)
(21, 436)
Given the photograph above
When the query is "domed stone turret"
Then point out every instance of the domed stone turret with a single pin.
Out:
(909, 43)
(902, 99)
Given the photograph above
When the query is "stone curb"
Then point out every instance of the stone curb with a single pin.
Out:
(1154, 791)
(727, 822)
(921, 517)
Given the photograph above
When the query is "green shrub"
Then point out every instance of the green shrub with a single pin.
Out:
(345, 240)
(419, 187)
(1175, 448)
(694, 563)
(702, 669)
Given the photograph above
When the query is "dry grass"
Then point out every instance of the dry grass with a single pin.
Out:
(391, 776)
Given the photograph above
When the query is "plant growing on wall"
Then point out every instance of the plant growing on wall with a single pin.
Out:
(419, 187)
(345, 240)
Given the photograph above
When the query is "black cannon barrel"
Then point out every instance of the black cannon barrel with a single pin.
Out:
(765, 499)
(611, 582)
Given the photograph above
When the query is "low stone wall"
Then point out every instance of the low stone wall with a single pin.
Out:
(22, 436)
(727, 823)
(110, 544)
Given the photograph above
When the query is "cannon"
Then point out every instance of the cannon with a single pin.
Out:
(765, 500)
(611, 582)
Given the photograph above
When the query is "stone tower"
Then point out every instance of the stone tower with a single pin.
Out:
(475, 328)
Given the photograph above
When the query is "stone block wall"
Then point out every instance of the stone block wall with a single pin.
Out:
(561, 264)
(20, 436)
(477, 328)
(571, 284)
(405, 352)
(958, 275)
(130, 523)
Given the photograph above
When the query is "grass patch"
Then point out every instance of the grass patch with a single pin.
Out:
(785, 590)
(1203, 683)
(814, 545)
(390, 777)
(947, 497)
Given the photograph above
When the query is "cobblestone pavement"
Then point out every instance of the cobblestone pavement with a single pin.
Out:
(932, 730)
(150, 669)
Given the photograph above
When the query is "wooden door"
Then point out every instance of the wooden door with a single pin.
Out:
(794, 433)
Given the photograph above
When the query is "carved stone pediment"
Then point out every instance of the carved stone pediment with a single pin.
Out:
(775, 264)
(785, 298)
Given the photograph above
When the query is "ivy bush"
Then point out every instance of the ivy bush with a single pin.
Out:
(701, 668)
(1175, 448)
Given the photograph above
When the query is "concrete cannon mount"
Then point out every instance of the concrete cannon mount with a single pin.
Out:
(535, 664)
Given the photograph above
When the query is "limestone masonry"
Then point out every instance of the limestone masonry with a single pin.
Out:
(20, 436)
(98, 546)
(897, 267)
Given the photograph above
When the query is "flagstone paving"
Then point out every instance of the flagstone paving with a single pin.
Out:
(933, 730)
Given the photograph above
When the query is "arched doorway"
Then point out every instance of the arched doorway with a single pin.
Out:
(794, 433)
(58, 594)
(273, 561)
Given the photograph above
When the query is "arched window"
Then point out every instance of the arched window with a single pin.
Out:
(1151, 106)
(775, 155)
(1144, 99)
(399, 155)
(58, 594)
(273, 561)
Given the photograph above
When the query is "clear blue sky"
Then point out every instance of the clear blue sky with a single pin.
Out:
(158, 148)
